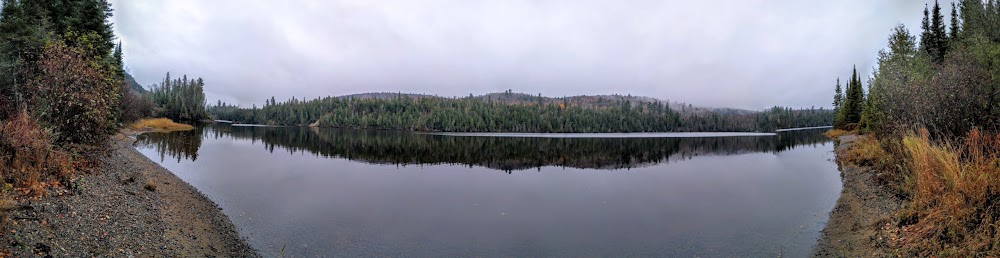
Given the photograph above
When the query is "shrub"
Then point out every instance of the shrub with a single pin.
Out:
(28, 159)
(74, 95)
(134, 106)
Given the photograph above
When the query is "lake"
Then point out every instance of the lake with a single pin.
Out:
(306, 192)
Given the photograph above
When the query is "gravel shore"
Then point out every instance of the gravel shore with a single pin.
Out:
(130, 207)
(860, 223)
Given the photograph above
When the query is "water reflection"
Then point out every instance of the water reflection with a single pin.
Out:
(500, 153)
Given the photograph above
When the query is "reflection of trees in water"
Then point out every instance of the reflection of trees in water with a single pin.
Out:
(502, 153)
(179, 145)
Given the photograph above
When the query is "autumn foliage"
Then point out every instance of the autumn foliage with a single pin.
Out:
(74, 95)
(28, 159)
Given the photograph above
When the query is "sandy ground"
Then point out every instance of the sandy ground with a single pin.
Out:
(132, 207)
(859, 224)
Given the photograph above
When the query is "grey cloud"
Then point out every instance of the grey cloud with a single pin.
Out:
(744, 54)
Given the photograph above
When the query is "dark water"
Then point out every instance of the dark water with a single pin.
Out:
(328, 192)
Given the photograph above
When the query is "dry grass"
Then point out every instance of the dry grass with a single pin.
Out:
(955, 208)
(836, 133)
(28, 159)
(150, 185)
(867, 151)
(159, 125)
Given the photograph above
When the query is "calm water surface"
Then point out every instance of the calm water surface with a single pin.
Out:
(328, 192)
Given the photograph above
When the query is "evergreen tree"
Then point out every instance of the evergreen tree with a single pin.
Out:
(853, 102)
(939, 37)
(925, 33)
(955, 29)
(838, 96)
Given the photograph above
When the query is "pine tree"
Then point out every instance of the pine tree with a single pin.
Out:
(925, 33)
(853, 103)
(939, 37)
(955, 29)
(838, 96)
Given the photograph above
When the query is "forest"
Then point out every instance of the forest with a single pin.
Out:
(513, 112)
(62, 89)
(178, 99)
(929, 122)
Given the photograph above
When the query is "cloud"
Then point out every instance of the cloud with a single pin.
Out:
(744, 54)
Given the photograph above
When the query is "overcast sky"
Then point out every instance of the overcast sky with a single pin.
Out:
(739, 53)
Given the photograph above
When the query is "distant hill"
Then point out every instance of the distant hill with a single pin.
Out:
(589, 101)
(133, 84)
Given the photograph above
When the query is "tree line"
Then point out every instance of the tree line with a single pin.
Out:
(948, 81)
(484, 114)
(178, 99)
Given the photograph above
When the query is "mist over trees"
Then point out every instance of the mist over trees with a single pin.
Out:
(513, 112)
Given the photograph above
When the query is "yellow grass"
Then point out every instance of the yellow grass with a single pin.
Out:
(867, 151)
(955, 209)
(159, 125)
(836, 133)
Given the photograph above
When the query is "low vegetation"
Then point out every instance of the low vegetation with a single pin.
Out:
(955, 195)
(837, 133)
(159, 125)
(930, 129)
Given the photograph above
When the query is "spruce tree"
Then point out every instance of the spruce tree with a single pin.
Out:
(955, 29)
(854, 101)
(838, 96)
(925, 32)
(939, 37)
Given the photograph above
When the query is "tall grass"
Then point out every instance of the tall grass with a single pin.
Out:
(955, 206)
(160, 125)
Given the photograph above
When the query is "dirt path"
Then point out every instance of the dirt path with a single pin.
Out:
(862, 216)
(132, 207)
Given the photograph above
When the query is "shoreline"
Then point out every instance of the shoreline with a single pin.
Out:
(861, 223)
(131, 207)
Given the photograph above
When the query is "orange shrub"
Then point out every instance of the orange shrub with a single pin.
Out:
(28, 160)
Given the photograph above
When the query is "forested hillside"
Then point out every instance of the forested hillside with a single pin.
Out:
(512, 112)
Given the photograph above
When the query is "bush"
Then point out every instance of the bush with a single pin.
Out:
(28, 160)
(74, 95)
(134, 106)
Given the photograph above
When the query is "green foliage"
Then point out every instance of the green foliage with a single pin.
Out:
(512, 113)
(935, 40)
(948, 94)
(890, 88)
(853, 103)
(179, 99)
(838, 96)
(979, 17)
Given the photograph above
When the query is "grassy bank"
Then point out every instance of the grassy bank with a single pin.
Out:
(951, 191)
(159, 125)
